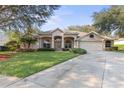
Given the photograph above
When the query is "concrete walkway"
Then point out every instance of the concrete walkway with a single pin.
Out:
(93, 70)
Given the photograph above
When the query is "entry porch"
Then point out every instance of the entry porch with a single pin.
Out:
(57, 42)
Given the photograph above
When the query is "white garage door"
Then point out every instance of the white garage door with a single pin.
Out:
(95, 46)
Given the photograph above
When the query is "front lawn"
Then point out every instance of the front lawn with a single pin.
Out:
(120, 46)
(27, 63)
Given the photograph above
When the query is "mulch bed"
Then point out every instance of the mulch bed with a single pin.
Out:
(4, 57)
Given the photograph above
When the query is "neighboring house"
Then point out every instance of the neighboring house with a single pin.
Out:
(59, 39)
(3, 40)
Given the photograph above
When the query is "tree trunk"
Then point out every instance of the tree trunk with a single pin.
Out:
(29, 45)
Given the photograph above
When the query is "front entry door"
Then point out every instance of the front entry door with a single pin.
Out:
(58, 43)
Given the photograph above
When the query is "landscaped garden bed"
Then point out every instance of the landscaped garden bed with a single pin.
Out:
(4, 57)
(23, 64)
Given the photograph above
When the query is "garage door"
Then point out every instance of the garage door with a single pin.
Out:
(95, 46)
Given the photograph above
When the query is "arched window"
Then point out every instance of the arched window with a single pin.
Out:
(108, 43)
(46, 43)
(68, 43)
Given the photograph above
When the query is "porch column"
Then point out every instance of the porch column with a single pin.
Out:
(75, 42)
(52, 41)
(39, 40)
(62, 41)
(78, 44)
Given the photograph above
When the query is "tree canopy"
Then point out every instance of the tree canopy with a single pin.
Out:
(21, 16)
(110, 20)
(83, 28)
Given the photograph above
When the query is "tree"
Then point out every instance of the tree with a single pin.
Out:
(88, 28)
(75, 27)
(28, 38)
(83, 28)
(19, 16)
(110, 20)
(14, 35)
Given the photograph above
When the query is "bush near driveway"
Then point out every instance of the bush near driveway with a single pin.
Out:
(24, 64)
(78, 50)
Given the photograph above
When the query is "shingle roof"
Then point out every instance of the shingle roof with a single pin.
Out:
(75, 32)
(65, 32)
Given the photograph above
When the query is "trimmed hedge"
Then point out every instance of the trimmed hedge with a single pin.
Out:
(78, 50)
(46, 49)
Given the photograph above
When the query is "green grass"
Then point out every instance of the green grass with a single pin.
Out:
(24, 64)
(120, 47)
(4, 52)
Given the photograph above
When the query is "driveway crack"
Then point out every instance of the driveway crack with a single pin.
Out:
(103, 75)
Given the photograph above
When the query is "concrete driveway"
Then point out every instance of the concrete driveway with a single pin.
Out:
(97, 69)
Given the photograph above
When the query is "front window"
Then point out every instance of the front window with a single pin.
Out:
(46, 44)
(108, 44)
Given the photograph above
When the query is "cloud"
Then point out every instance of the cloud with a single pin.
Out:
(58, 17)
(55, 19)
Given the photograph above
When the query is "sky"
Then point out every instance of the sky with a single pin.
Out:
(72, 15)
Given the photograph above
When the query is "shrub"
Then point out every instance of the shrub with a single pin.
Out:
(65, 49)
(12, 45)
(46, 49)
(78, 51)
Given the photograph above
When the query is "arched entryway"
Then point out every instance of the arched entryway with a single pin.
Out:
(69, 42)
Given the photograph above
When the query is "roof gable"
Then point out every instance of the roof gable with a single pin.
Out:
(87, 37)
(95, 33)
(57, 29)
